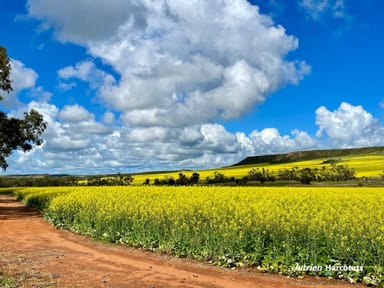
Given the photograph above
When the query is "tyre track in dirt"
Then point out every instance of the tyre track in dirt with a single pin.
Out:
(38, 255)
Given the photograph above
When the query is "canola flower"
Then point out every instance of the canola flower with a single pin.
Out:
(275, 228)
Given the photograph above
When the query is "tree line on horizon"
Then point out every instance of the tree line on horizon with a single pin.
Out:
(255, 176)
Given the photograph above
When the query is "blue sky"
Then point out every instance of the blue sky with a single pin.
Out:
(130, 86)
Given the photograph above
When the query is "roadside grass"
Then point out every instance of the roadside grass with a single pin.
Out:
(7, 282)
(7, 191)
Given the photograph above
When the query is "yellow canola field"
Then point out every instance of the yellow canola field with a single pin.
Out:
(275, 228)
(364, 166)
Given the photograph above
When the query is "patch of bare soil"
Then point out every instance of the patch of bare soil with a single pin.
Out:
(38, 255)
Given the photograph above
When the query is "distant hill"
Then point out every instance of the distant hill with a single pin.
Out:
(38, 175)
(309, 155)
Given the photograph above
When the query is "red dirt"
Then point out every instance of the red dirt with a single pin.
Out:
(38, 255)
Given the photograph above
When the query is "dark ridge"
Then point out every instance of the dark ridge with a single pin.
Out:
(308, 155)
(37, 175)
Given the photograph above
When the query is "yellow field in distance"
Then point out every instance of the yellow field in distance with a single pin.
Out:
(364, 166)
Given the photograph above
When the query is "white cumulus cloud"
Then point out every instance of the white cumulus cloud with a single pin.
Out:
(349, 126)
(75, 113)
(75, 142)
(85, 71)
(179, 62)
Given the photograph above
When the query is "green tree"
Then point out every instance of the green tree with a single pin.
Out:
(219, 177)
(16, 133)
(182, 180)
(288, 174)
(307, 176)
(5, 71)
(195, 177)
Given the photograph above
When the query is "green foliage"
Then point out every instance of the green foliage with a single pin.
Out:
(287, 174)
(110, 180)
(38, 181)
(194, 179)
(6, 282)
(262, 175)
(182, 180)
(19, 134)
(16, 133)
(307, 175)
(219, 178)
(5, 71)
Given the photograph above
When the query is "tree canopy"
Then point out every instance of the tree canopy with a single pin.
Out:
(16, 134)
(5, 71)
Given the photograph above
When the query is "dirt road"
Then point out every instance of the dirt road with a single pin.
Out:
(38, 255)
